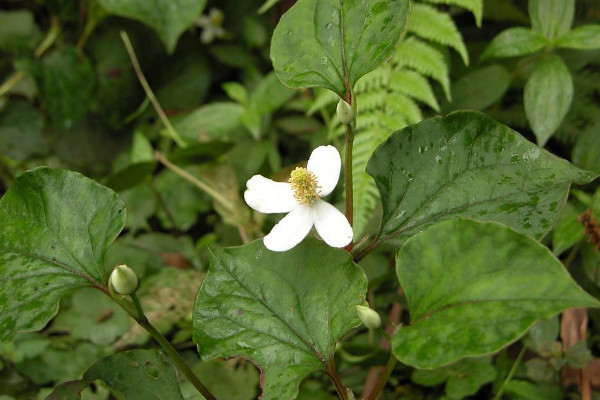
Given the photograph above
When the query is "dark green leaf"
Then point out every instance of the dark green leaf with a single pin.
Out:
(586, 37)
(130, 176)
(468, 165)
(548, 95)
(55, 226)
(474, 287)
(568, 230)
(200, 153)
(68, 391)
(284, 311)
(66, 82)
(138, 375)
(169, 18)
(480, 88)
(586, 152)
(551, 18)
(21, 135)
(332, 43)
(514, 42)
(463, 378)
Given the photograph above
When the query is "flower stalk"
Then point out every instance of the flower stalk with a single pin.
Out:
(137, 313)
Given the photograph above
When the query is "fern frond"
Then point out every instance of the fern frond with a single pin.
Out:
(414, 85)
(474, 6)
(429, 23)
(366, 195)
(397, 103)
(423, 58)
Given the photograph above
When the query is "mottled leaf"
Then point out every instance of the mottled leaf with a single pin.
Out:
(284, 311)
(55, 227)
(474, 287)
(332, 43)
(468, 165)
(548, 95)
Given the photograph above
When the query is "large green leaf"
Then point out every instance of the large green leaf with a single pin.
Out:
(332, 43)
(548, 95)
(551, 18)
(55, 226)
(468, 165)
(284, 311)
(474, 287)
(136, 374)
(514, 42)
(169, 18)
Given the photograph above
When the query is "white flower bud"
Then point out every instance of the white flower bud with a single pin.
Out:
(345, 112)
(123, 279)
(369, 317)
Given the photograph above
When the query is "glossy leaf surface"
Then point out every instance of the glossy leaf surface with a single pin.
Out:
(55, 227)
(284, 311)
(474, 287)
(332, 43)
(468, 165)
(169, 18)
(548, 95)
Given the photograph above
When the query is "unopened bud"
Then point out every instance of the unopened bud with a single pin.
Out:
(345, 112)
(369, 317)
(123, 279)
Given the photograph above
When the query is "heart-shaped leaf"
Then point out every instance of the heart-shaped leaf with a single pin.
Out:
(474, 287)
(468, 165)
(169, 18)
(284, 311)
(332, 43)
(136, 374)
(55, 227)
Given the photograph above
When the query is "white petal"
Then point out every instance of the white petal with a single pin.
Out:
(267, 196)
(331, 224)
(290, 230)
(325, 163)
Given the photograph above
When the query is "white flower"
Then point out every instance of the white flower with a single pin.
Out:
(211, 25)
(300, 198)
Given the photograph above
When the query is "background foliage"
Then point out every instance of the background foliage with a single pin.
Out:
(70, 98)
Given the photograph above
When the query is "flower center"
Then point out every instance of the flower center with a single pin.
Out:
(304, 184)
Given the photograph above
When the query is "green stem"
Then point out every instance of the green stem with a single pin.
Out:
(168, 348)
(48, 40)
(512, 371)
(383, 377)
(194, 180)
(348, 174)
(149, 93)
